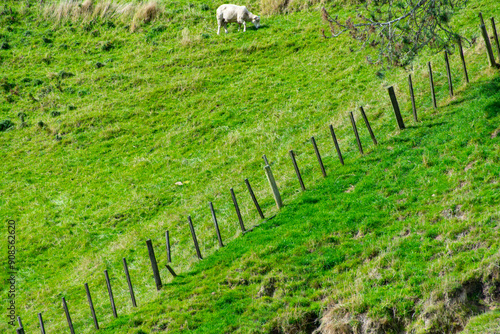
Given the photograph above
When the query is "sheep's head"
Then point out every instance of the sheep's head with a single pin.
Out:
(256, 21)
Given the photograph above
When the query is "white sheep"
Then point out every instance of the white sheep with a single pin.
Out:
(233, 13)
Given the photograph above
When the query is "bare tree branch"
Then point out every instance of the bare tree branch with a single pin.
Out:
(400, 28)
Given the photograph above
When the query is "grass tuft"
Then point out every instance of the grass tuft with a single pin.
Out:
(87, 7)
(145, 13)
(132, 14)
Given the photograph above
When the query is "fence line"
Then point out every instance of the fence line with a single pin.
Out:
(462, 57)
(297, 171)
(129, 283)
(368, 125)
(68, 317)
(40, 320)
(195, 240)
(489, 50)
(336, 143)
(274, 186)
(91, 305)
(431, 81)
(318, 156)
(214, 218)
(254, 199)
(154, 264)
(356, 134)
(448, 73)
(110, 292)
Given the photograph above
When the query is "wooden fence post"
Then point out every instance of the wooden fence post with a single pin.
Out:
(489, 50)
(395, 106)
(110, 293)
(254, 199)
(368, 125)
(481, 18)
(413, 105)
(91, 305)
(68, 317)
(355, 129)
(495, 35)
(318, 156)
(154, 264)
(274, 187)
(297, 171)
(461, 49)
(42, 326)
(167, 243)
(265, 160)
(20, 331)
(238, 213)
(337, 147)
(195, 240)
(21, 327)
(448, 72)
(129, 283)
(431, 80)
(214, 218)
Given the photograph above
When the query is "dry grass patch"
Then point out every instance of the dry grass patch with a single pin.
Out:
(87, 6)
(124, 12)
(273, 7)
(145, 13)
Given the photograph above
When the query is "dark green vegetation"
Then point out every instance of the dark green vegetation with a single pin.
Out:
(104, 122)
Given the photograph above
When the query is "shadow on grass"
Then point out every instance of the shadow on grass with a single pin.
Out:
(432, 125)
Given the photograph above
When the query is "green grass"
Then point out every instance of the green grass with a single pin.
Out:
(397, 237)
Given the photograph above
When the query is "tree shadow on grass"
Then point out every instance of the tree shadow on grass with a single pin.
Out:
(492, 88)
(492, 109)
(486, 89)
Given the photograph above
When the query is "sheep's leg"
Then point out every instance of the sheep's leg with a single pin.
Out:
(225, 26)
(220, 22)
(244, 26)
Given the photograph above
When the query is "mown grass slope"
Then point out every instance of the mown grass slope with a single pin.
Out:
(405, 237)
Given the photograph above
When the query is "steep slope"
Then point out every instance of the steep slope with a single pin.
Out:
(395, 239)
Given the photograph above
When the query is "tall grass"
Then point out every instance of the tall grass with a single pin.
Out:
(275, 7)
(133, 14)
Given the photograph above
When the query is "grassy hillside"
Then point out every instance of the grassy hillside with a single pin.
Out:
(107, 121)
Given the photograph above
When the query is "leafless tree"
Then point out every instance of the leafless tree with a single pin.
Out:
(399, 29)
